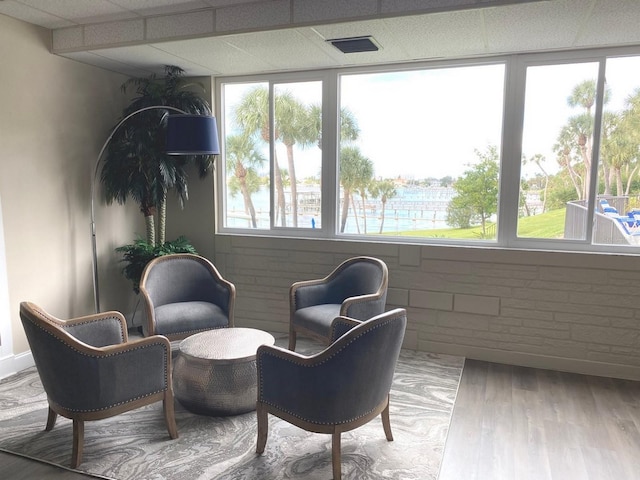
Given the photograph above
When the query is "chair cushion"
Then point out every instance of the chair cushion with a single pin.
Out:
(317, 318)
(183, 317)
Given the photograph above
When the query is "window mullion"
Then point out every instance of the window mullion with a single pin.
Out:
(595, 148)
(513, 118)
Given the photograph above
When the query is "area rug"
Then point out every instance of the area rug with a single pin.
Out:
(136, 445)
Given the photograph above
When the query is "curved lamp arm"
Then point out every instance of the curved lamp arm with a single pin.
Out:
(211, 149)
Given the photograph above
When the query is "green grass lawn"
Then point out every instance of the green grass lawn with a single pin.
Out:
(546, 225)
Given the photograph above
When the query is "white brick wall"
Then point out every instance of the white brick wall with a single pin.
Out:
(568, 311)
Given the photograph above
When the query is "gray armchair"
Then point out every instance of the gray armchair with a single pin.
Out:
(357, 288)
(185, 294)
(90, 371)
(337, 390)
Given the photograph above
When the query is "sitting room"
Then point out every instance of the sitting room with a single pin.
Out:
(514, 313)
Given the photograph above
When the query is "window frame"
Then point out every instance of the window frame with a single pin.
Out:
(510, 150)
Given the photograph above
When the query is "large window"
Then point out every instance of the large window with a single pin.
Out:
(419, 152)
(557, 148)
(526, 150)
(266, 187)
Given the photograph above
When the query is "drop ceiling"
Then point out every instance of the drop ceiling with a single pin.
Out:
(235, 37)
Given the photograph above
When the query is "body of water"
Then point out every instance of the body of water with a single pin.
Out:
(413, 208)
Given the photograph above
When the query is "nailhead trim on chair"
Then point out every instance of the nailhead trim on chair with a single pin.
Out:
(195, 331)
(319, 423)
(114, 404)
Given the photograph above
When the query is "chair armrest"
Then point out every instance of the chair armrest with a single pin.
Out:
(342, 325)
(363, 307)
(307, 293)
(225, 297)
(120, 373)
(98, 330)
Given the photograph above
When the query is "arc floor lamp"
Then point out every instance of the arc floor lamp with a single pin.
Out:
(186, 135)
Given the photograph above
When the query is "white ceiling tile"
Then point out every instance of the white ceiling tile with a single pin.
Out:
(78, 10)
(68, 38)
(196, 23)
(284, 49)
(114, 32)
(224, 3)
(253, 16)
(216, 54)
(439, 35)
(399, 6)
(306, 11)
(160, 7)
(535, 26)
(612, 23)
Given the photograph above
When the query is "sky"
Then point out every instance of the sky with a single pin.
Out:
(426, 123)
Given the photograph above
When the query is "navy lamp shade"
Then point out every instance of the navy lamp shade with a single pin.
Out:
(192, 135)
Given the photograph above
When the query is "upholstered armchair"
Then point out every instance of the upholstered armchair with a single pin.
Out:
(184, 294)
(90, 371)
(357, 288)
(339, 389)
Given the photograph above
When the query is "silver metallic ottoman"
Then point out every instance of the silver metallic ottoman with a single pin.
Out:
(215, 371)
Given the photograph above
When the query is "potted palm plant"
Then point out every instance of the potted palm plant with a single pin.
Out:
(137, 168)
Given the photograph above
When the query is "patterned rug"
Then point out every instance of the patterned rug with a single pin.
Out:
(136, 445)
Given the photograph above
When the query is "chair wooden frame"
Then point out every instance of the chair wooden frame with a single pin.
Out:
(56, 328)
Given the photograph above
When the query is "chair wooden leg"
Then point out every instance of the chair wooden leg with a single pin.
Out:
(78, 442)
(292, 339)
(386, 423)
(51, 420)
(263, 427)
(169, 414)
(335, 456)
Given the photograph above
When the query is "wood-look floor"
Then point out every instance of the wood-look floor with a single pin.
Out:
(511, 423)
(528, 424)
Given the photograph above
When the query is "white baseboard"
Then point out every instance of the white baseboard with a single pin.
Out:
(584, 367)
(12, 364)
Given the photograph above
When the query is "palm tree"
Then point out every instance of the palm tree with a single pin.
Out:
(252, 116)
(349, 130)
(565, 158)
(243, 159)
(355, 170)
(539, 159)
(136, 166)
(578, 133)
(293, 125)
(385, 189)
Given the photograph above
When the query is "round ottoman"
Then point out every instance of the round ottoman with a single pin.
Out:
(215, 371)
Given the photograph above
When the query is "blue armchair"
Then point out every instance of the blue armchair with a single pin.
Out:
(357, 288)
(90, 371)
(337, 390)
(185, 294)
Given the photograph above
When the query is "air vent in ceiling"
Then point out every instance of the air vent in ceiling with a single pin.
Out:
(355, 44)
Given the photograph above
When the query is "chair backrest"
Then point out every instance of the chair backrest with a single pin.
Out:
(358, 276)
(183, 278)
(350, 377)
